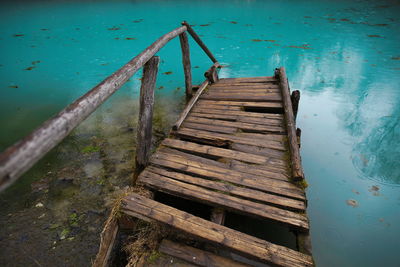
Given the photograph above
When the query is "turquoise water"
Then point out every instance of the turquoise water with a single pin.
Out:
(343, 56)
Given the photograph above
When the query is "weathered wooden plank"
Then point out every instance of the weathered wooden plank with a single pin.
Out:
(186, 63)
(220, 152)
(145, 121)
(210, 128)
(259, 150)
(203, 108)
(199, 41)
(251, 194)
(196, 256)
(250, 79)
(245, 86)
(214, 116)
(251, 127)
(244, 104)
(244, 97)
(216, 106)
(264, 183)
(17, 159)
(189, 106)
(245, 119)
(297, 169)
(107, 243)
(262, 170)
(225, 139)
(238, 242)
(243, 206)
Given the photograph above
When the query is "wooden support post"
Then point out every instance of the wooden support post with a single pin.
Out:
(218, 216)
(297, 169)
(145, 124)
(186, 64)
(295, 98)
(211, 74)
(303, 243)
(298, 134)
(199, 41)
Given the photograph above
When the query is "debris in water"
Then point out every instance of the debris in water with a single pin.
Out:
(137, 21)
(167, 72)
(272, 41)
(29, 68)
(204, 25)
(116, 38)
(307, 17)
(44, 29)
(18, 35)
(352, 202)
(114, 28)
(35, 62)
(196, 67)
(396, 58)
(130, 38)
(13, 86)
(256, 40)
(233, 22)
(374, 36)
(374, 190)
(355, 192)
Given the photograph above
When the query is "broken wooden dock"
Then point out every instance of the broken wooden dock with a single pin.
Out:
(233, 150)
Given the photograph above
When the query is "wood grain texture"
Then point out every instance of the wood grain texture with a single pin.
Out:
(238, 242)
(187, 70)
(189, 106)
(196, 256)
(145, 122)
(297, 169)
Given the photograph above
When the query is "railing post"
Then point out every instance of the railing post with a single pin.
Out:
(212, 74)
(295, 98)
(186, 64)
(144, 131)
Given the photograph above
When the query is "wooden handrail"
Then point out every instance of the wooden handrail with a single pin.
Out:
(199, 41)
(297, 170)
(18, 158)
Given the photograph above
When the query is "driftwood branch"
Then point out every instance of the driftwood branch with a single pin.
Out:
(297, 170)
(18, 158)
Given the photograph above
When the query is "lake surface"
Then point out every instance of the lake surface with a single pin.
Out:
(344, 57)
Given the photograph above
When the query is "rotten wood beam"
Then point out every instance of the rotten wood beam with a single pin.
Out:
(186, 64)
(17, 159)
(297, 169)
(199, 41)
(145, 121)
(108, 239)
(189, 106)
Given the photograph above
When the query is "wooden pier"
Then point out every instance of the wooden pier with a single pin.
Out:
(233, 150)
